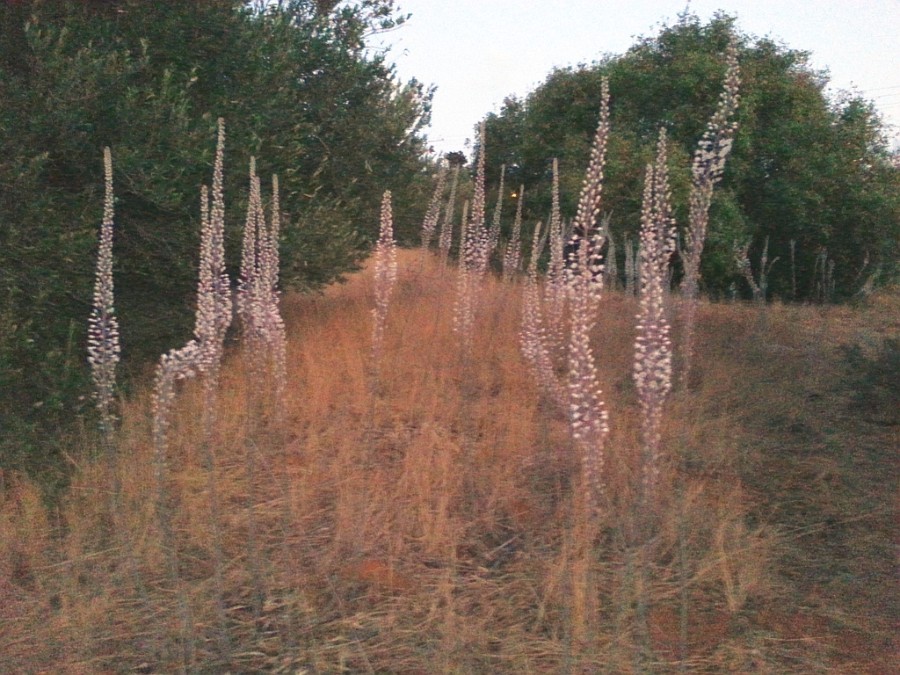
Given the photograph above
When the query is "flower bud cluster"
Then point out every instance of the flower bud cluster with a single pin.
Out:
(707, 168)
(653, 346)
(555, 288)
(385, 261)
(585, 268)
(588, 417)
(429, 224)
(214, 305)
(477, 241)
(203, 354)
(103, 328)
(533, 338)
(473, 258)
(257, 294)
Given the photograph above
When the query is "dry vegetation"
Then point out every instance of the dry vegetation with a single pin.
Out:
(432, 523)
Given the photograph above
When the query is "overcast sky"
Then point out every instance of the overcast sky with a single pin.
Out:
(479, 51)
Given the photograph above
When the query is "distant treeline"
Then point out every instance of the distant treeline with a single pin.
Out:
(811, 173)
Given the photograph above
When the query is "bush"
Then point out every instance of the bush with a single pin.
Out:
(149, 80)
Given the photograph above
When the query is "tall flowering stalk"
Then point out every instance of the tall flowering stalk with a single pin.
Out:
(707, 169)
(463, 307)
(248, 280)
(214, 314)
(512, 257)
(257, 295)
(201, 355)
(580, 394)
(463, 229)
(429, 224)
(586, 271)
(473, 258)
(214, 305)
(653, 347)
(537, 248)
(652, 353)
(103, 327)
(533, 337)
(174, 366)
(588, 417)
(385, 278)
(445, 240)
(271, 268)
(494, 233)
(555, 291)
(263, 331)
(477, 236)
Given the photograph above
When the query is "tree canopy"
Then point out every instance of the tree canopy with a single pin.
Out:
(298, 91)
(806, 167)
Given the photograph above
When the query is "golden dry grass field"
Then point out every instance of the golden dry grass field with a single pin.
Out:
(431, 522)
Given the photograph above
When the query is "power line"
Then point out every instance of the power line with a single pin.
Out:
(895, 86)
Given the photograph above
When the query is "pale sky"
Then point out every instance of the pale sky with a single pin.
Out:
(479, 51)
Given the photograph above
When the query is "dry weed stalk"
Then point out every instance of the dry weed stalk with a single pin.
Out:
(823, 277)
(742, 260)
(445, 241)
(707, 169)
(512, 257)
(463, 229)
(494, 233)
(103, 328)
(793, 244)
(611, 270)
(631, 274)
(429, 224)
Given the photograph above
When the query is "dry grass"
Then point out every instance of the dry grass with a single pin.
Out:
(435, 526)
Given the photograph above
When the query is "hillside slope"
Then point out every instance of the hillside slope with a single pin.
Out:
(430, 521)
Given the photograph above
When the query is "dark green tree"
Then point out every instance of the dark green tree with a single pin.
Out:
(805, 167)
(149, 79)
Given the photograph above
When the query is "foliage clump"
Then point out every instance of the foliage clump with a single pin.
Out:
(149, 80)
(804, 166)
